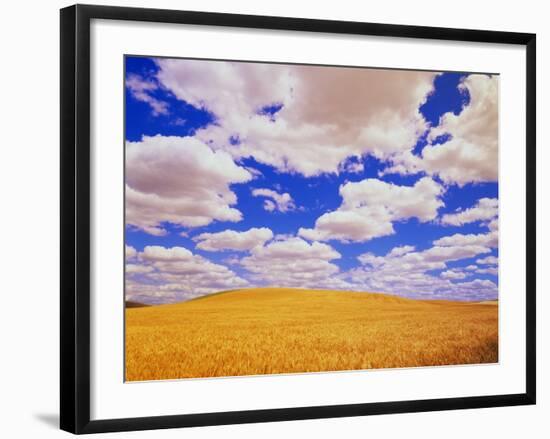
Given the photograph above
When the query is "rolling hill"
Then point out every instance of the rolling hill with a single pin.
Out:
(132, 304)
(286, 330)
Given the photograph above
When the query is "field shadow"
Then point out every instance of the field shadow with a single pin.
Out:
(49, 419)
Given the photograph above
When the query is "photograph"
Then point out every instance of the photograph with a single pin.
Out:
(293, 218)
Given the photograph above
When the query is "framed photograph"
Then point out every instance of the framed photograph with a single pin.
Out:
(268, 218)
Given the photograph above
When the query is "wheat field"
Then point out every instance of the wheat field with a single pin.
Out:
(285, 330)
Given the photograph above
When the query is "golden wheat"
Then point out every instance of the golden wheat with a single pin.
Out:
(283, 330)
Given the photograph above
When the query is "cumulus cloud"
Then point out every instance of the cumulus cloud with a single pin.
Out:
(486, 239)
(370, 207)
(351, 167)
(275, 201)
(269, 205)
(489, 270)
(130, 252)
(400, 251)
(359, 111)
(453, 274)
(377, 261)
(179, 180)
(322, 120)
(161, 274)
(490, 265)
(371, 259)
(137, 269)
(471, 153)
(141, 90)
(477, 289)
(157, 253)
(294, 262)
(420, 201)
(486, 209)
(233, 240)
(173, 274)
(489, 260)
(410, 273)
(439, 254)
(350, 225)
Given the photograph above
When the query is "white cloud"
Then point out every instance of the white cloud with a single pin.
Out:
(137, 269)
(489, 260)
(294, 262)
(179, 180)
(130, 252)
(453, 274)
(269, 205)
(471, 154)
(371, 259)
(420, 201)
(187, 181)
(295, 248)
(233, 240)
(283, 236)
(276, 201)
(370, 207)
(446, 254)
(350, 225)
(359, 111)
(489, 239)
(351, 167)
(174, 274)
(477, 289)
(408, 272)
(232, 260)
(486, 209)
(158, 253)
(141, 90)
(171, 274)
(489, 270)
(400, 251)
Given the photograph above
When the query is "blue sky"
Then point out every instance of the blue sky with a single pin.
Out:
(289, 151)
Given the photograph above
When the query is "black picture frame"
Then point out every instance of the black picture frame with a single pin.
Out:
(75, 217)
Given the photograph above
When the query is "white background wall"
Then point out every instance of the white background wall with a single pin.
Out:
(29, 248)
